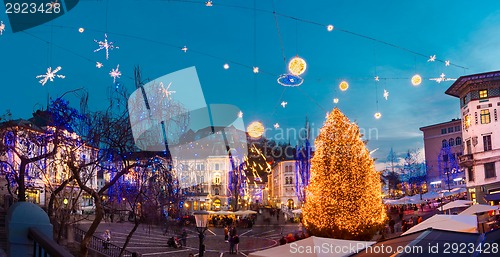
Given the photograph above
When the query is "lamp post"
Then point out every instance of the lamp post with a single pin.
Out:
(201, 218)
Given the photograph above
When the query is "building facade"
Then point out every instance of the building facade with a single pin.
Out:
(282, 187)
(479, 96)
(443, 147)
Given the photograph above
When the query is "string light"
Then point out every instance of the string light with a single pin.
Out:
(432, 58)
(335, 100)
(226, 66)
(416, 80)
(185, 49)
(98, 65)
(343, 199)
(329, 27)
(50, 75)
(255, 129)
(284, 104)
(115, 73)
(377, 78)
(377, 115)
(447, 63)
(81, 30)
(256, 70)
(297, 66)
(343, 85)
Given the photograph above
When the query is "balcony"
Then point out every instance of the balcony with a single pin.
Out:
(466, 160)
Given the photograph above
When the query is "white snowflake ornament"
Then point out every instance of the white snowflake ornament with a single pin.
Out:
(105, 45)
(50, 75)
(115, 73)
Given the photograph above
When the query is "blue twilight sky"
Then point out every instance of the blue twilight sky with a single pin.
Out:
(244, 34)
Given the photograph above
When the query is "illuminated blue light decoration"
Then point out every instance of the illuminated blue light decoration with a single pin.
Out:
(289, 80)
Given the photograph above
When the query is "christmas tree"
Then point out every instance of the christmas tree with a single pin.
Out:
(343, 198)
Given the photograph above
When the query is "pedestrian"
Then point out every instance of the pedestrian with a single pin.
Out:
(391, 225)
(107, 239)
(420, 219)
(226, 234)
(282, 240)
(184, 237)
(231, 244)
(236, 240)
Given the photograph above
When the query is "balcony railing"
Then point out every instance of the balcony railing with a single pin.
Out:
(45, 246)
(101, 246)
(466, 160)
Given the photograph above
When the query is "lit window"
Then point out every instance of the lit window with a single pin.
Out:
(485, 116)
(483, 94)
(467, 121)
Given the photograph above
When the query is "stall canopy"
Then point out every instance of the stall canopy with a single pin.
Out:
(478, 208)
(455, 204)
(457, 223)
(315, 247)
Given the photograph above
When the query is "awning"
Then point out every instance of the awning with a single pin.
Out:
(492, 197)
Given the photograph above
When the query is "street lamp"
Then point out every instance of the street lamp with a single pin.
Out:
(201, 218)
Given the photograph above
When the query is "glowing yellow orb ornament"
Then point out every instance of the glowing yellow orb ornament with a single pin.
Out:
(297, 66)
(255, 129)
(377, 115)
(343, 85)
(416, 80)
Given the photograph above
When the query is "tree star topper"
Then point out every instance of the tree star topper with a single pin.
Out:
(50, 75)
(115, 73)
(165, 91)
(105, 45)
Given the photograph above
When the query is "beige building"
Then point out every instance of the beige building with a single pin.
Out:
(443, 147)
(479, 96)
(281, 185)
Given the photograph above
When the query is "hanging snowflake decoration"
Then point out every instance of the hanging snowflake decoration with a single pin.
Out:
(2, 27)
(377, 78)
(50, 75)
(386, 94)
(442, 78)
(447, 63)
(165, 91)
(432, 58)
(105, 45)
(284, 104)
(255, 70)
(115, 73)
(98, 65)
(276, 125)
(184, 49)
(289, 80)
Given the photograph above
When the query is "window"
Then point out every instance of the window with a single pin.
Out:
(458, 141)
(487, 142)
(217, 179)
(290, 180)
(451, 142)
(464, 100)
(286, 168)
(216, 166)
(216, 191)
(286, 180)
(457, 128)
(450, 130)
(469, 147)
(444, 143)
(483, 94)
(443, 131)
(485, 116)
(489, 170)
(470, 173)
(467, 122)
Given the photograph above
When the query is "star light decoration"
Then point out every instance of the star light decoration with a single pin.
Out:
(447, 63)
(2, 28)
(442, 78)
(226, 66)
(105, 45)
(209, 3)
(284, 104)
(377, 78)
(386, 94)
(50, 75)
(432, 58)
(256, 70)
(276, 125)
(115, 73)
(165, 91)
(185, 49)
(335, 100)
(98, 65)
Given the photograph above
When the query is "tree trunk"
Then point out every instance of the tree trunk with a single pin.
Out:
(129, 236)
(21, 190)
(99, 214)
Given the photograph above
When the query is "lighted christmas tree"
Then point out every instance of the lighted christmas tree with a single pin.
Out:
(343, 199)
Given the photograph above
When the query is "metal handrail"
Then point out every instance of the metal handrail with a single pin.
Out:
(44, 245)
(97, 244)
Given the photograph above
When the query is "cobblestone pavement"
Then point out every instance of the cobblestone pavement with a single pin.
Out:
(151, 240)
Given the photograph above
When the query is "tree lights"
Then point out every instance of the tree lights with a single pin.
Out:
(343, 199)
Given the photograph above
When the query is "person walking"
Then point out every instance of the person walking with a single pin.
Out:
(184, 237)
(226, 234)
(107, 239)
(231, 244)
(236, 240)
(391, 225)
